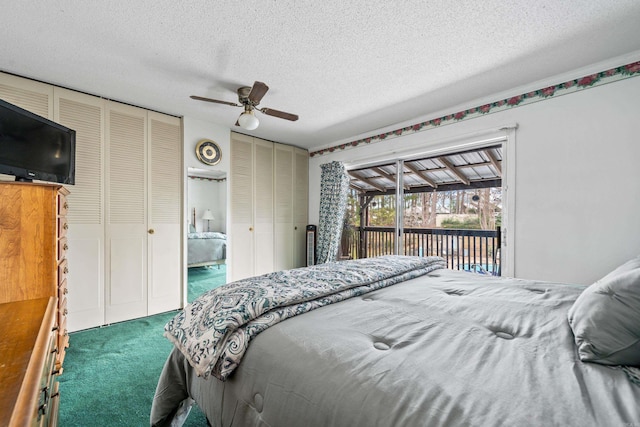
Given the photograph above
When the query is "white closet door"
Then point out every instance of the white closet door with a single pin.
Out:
(283, 192)
(241, 202)
(85, 239)
(165, 198)
(300, 205)
(263, 209)
(32, 96)
(126, 231)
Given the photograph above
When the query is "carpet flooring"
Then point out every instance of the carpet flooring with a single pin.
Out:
(110, 373)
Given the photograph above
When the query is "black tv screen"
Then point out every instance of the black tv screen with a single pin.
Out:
(33, 147)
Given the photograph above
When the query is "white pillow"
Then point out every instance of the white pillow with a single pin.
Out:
(605, 319)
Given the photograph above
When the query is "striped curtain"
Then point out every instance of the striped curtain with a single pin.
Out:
(334, 189)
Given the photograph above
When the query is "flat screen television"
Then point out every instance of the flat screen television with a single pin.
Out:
(33, 147)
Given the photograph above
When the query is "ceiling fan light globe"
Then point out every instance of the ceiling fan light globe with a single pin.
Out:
(248, 121)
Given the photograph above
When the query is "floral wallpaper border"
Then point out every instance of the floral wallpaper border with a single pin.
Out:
(597, 79)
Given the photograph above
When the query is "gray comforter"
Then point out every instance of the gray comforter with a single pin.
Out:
(205, 248)
(445, 349)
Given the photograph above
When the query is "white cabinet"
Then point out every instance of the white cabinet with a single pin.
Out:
(268, 200)
(124, 233)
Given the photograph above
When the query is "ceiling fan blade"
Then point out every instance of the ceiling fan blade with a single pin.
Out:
(280, 114)
(257, 92)
(217, 101)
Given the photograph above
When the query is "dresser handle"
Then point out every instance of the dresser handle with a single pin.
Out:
(66, 291)
(55, 372)
(65, 226)
(66, 270)
(65, 247)
(65, 312)
(151, 231)
(55, 328)
(66, 205)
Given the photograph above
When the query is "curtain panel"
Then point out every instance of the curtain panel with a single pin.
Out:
(334, 190)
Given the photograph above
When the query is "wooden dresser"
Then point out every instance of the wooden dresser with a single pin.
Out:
(28, 386)
(33, 265)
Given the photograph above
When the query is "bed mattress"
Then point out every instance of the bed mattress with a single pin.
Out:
(444, 349)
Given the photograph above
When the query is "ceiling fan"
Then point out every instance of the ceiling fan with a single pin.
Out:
(249, 98)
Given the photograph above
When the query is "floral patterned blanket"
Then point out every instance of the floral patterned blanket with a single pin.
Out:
(214, 331)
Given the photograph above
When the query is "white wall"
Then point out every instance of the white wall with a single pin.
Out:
(576, 176)
(205, 194)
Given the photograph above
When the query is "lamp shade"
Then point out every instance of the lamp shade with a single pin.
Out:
(248, 120)
(208, 215)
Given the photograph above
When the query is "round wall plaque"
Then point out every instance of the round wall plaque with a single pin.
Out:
(208, 152)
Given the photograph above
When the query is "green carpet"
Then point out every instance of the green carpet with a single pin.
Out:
(110, 373)
(202, 279)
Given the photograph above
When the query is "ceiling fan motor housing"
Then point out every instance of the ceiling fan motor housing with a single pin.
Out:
(243, 95)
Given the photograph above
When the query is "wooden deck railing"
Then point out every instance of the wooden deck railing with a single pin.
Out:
(473, 250)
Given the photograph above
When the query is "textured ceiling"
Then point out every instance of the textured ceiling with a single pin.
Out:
(346, 68)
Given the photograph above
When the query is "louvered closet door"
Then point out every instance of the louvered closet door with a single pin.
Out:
(300, 205)
(32, 96)
(283, 218)
(165, 184)
(126, 230)
(85, 239)
(263, 210)
(241, 202)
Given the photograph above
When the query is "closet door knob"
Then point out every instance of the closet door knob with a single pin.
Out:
(151, 231)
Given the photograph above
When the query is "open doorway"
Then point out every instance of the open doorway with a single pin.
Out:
(207, 233)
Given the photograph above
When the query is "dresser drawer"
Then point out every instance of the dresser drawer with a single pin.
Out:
(47, 381)
(63, 205)
(63, 246)
(63, 226)
(62, 311)
(63, 270)
(63, 290)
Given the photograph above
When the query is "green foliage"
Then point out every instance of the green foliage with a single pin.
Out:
(467, 224)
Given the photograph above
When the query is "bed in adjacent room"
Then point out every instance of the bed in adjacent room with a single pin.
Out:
(206, 248)
(402, 341)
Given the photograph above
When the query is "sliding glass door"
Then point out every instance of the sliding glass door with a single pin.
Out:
(448, 205)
